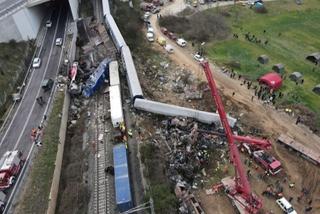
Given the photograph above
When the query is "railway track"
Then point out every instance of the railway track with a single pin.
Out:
(103, 184)
(100, 196)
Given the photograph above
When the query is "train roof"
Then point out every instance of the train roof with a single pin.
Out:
(121, 174)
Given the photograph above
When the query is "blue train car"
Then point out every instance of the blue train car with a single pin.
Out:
(121, 178)
(96, 79)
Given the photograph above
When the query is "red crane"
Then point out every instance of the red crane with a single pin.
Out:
(238, 189)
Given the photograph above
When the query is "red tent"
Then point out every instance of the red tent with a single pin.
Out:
(272, 79)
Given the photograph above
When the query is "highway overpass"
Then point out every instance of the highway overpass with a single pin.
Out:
(21, 19)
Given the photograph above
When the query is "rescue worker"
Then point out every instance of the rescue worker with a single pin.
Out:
(122, 127)
(130, 133)
(34, 132)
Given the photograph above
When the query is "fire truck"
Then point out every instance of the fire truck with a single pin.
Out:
(263, 158)
(10, 166)
(267, 161)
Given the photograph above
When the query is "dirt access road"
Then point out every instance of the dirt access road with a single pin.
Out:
(266, 116)
(255, 114)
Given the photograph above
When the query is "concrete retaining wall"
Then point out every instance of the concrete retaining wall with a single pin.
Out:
(57, 170)
(23, 24)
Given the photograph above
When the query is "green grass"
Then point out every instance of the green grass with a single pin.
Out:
(14, 58)
(35, 197)
(300, 30)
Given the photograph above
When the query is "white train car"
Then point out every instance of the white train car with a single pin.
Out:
(114, 32)
(114, 73)
(173, 110)
(106, 7)
(132, 76)
(115, 105)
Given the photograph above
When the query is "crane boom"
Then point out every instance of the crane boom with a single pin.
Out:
(242, 185)
(259, 143)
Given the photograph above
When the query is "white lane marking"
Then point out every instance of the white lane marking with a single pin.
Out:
(21, 176)
(23, 96)
(59, 65)
(39, 89)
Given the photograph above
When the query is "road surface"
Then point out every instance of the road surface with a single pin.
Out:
(28, 114)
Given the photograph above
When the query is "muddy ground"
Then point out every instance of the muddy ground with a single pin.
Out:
(74, 187)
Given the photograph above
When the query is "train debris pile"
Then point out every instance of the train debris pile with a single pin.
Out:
(190, 150)
(190, 154)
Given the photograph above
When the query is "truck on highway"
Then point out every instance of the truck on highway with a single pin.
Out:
(10, 166)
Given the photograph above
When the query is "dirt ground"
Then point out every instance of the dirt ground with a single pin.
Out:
(254, 113)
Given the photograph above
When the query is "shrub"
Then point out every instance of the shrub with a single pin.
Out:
(199, 27)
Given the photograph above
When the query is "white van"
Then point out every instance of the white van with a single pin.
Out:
(150, 29)
(169, 48)
(181, 42)
(150, 37)
(285, 206)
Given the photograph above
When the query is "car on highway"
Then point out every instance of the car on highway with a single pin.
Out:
(58, 41)
(198, 57)
(48, 23)
(47, 84)
(36, 62)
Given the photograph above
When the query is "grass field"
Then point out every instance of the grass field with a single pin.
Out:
(292, 32)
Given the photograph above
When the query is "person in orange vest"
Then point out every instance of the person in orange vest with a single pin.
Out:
(34, 132)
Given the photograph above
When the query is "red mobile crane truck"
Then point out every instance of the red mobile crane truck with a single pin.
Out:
(238, 188)
(10, 166)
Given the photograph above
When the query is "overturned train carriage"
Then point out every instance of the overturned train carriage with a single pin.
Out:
(132, 76)
(135, 88)
(173, 110)
(96, 79)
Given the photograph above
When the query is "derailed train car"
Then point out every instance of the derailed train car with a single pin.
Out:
(114, 32)
(134, 83)
(96, 79)
(132, 76)
(106, 7)
(121, 178)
